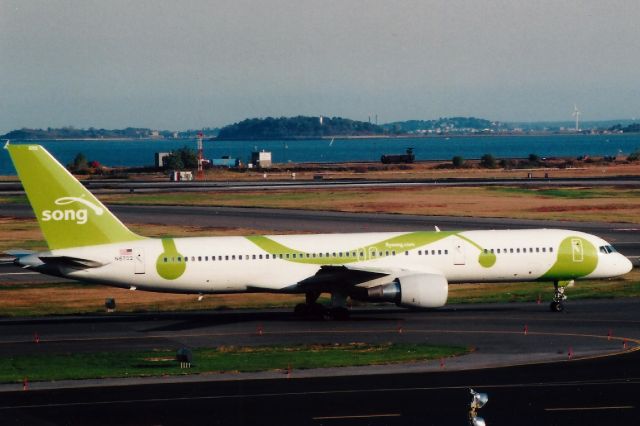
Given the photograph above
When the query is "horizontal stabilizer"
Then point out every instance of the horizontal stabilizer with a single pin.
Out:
(71, 262)
(18, 253)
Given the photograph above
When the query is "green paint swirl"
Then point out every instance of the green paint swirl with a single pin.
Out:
(172, 268)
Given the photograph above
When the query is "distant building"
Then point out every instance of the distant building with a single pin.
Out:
(177, 176)
(261, 159)
(161, 158)
(225, 161)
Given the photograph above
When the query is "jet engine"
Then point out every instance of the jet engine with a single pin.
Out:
(414, 291)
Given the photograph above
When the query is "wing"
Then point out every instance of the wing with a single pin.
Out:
(332, 277)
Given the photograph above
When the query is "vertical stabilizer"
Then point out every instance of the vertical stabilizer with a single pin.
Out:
(68, 214)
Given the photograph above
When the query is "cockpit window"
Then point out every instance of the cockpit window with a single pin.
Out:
(607, 249)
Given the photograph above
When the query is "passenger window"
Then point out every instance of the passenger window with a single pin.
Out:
(446, 252)
(550, 249)
(498, 250)
(544, 249)
(165, 260)
(433, 252)
(199, 258)
(186, 259)
(491, 250)
(420, 252)
(510, 250)
(439, 251)
(226, 257)
(537, 250)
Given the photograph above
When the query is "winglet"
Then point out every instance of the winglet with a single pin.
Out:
(6, 145)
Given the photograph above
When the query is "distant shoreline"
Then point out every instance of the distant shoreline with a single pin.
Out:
(338, 137)
(413, 136)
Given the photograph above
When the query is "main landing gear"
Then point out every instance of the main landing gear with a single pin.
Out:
(558, 298)
(311, 309)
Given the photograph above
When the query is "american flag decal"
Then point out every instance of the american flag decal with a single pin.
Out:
(124, 252)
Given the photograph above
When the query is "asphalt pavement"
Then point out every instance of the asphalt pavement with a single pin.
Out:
(565, 369)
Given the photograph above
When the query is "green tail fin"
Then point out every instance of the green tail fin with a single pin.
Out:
(68, 214)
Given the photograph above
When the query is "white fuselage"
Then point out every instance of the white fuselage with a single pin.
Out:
(238, 264)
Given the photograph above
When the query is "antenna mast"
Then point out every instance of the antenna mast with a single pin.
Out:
(200, 174)
(576, 114)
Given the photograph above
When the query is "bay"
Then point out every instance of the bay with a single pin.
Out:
(132, 153)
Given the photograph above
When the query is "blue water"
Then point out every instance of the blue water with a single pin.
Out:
(141, 152)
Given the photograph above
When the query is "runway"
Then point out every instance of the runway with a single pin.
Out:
(98, 186)
(538, 382)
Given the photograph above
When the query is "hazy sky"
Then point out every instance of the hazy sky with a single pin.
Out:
(192, 64)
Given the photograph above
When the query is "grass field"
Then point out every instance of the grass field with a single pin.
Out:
(75, 298)
(545, 203)
(162, 361)
(577, 204)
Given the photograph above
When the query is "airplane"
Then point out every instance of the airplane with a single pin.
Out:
(412, 269)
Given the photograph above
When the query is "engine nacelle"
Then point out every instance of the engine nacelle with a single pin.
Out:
(415, 291)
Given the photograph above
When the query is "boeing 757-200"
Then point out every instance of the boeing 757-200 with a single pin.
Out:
(413, 269)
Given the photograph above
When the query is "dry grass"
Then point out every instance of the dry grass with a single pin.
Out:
(75, 298)
(420, 170)
(621, 205)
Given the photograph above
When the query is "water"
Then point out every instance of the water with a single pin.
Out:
(141, 152)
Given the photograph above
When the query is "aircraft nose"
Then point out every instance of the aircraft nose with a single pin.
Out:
(625, 265)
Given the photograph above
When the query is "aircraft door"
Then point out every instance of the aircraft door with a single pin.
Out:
(458, 251)
(138, 260)
(577, 251)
